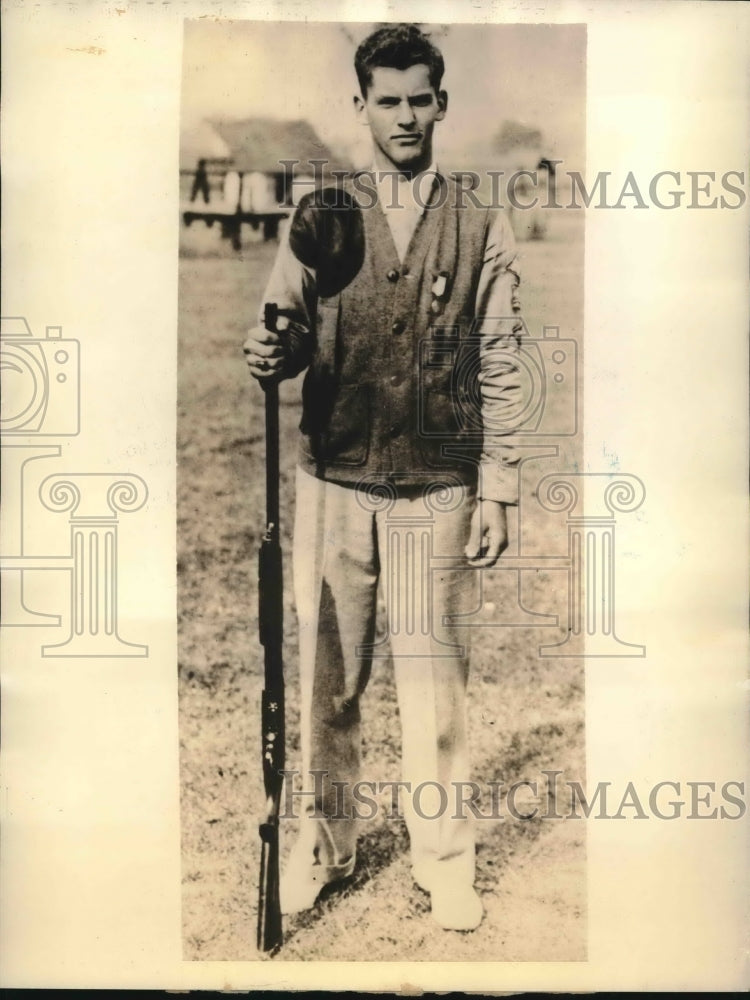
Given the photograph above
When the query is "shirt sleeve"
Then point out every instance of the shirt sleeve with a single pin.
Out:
(498, 325)
(292, 287)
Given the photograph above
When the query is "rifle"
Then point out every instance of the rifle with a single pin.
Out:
(271, 629)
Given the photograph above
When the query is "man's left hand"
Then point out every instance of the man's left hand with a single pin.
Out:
(488, 536)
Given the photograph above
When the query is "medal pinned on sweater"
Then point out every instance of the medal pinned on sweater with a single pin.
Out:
(439, 292)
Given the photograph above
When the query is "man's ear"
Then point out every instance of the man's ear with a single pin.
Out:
(442, 101)
(360, 109)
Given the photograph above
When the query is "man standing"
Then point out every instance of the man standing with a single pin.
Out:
(397, 294)
(200, 182)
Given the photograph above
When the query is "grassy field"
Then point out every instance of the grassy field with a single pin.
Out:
(526, 713)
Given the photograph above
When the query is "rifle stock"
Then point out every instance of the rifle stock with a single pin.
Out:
(271, 629)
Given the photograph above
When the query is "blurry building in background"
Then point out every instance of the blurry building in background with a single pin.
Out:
(515, 161)
(258, 169)
(247, 158)
(520, 149)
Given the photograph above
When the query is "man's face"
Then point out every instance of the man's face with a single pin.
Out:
(401, 109)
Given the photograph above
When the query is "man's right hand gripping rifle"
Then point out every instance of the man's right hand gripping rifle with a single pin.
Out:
(279, 354)
(267, 355)
(286, 351)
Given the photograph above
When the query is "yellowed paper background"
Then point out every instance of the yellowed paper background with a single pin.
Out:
(91, 838)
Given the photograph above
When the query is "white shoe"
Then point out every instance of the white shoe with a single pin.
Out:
(456, 906)
(300, 885)
(299, 888)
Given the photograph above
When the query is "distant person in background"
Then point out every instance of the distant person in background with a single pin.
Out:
(200, 182)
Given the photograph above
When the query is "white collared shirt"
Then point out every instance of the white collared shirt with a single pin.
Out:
(403, 201)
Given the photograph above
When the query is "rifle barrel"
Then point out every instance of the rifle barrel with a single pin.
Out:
(271, 629)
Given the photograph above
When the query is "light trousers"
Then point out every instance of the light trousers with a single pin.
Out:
(347, 541)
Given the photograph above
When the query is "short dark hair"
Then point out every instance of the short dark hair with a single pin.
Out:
(397, 46)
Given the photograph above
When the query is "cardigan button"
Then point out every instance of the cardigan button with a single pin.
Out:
(398, 326)
(396, 380)
(392, 275)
